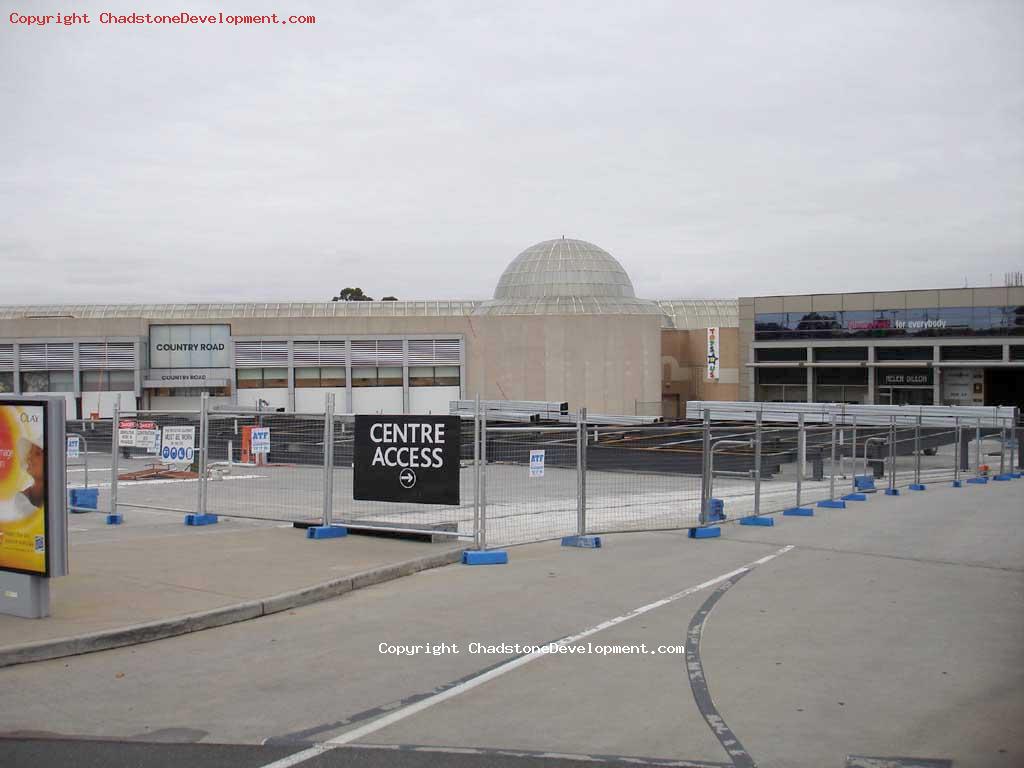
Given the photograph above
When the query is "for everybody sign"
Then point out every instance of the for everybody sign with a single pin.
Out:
(414, 459)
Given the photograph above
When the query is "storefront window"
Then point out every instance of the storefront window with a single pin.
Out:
(781, 385)
(319, 377)
(389, 376)
(841, 385)
(332, 376)
(47, 381)
(6, 382)
(275, 378)
(262, 378)
(108, 381)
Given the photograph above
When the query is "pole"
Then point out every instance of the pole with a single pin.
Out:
(801, 452)
(113, 455)
(917, 451)
(483, 480)
(328, 458)
(977, 450)
(832, 464)
(956, 453)
(757, 464)
(892, 454)
(1002, 448)
(581, 472)
(476, 472)
(853, 457)
(204, 427)
(705, 479)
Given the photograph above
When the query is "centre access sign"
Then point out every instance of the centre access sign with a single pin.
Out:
(412, 459)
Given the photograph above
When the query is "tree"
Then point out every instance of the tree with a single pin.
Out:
(352, 294)
(389, 298)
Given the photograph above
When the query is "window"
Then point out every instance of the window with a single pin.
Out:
(262, 378)
(834, 354)
(841, 385)
(364, 377)
(6, 382)
(47, 381)
(320, 377)
(972, 353)
(108, 381)
(434, 376)
(781, 385)
(889, 354)
(382, 376)
(780, 354)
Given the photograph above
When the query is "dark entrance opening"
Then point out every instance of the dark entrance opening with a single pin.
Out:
(1004, 386)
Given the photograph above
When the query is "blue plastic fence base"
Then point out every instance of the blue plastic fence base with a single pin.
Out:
(83, 499)
(978, 480)
(1017, 475)
(705, 533)
(855, 497)
(918, 487)
(114, 519)
(193, 519)
(1003, 477)
(326, 532)
(958, 483)
(798, 512)
(892, 491)
(829, 504)
(488, 557)
(757, 520)
(584, 542)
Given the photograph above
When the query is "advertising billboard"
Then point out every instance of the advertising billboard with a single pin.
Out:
(24, 526)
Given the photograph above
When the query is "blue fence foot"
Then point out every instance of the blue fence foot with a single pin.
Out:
(488, 557)
(918, 487)
(892, 491)
(1003, 477)
(584, 542)
(829, 504)
(978, 480)
(855, 497)
(712, 532)
(1016, 475)
(958, 483)
(798, 512)
(114, 519)
(326, 532)
(757, 520)
(200, 519)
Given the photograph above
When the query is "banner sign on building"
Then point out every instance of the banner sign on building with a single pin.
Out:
(189, 346)
(24, 483)
(74, 446)
(713, 354)
(537, 463)
(261, 440)
(179, 445)
(126, 433)
(904, 377)
(412, 459)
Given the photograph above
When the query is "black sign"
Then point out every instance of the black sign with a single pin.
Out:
(414, 459)
(904, 377)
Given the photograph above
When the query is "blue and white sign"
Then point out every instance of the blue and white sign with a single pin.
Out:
(536, 463)
(261, 440)
(74, 446)
(179, 445)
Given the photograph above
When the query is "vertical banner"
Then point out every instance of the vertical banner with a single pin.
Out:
(24, 525)
(713, 354)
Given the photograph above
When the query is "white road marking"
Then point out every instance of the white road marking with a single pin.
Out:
(401, 714)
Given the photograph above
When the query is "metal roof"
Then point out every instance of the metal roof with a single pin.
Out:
(559, 268)
(243, 310)
(683, 314)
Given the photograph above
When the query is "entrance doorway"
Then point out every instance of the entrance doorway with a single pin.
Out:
(1004, 386)
(905, 396)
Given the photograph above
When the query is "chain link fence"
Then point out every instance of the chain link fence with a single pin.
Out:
(526, 481)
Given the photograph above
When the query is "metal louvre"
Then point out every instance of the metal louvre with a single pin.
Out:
(375, 352)
(6, 357)
(106, 355)
(46, 357)
(255, 354)
(431, 351)
(319, 353)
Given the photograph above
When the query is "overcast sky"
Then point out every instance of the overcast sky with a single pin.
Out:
(414, 148)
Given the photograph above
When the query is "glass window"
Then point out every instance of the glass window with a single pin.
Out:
(275, 378)
(92, 381)
(829, 354)
(780, 354)
(307, 377)
(447, 376)
(47, 381)
(364, 377)
(886, 354)
(121, 381)
(421, 376)
(62, 381)
(782, 376)
(847, 376)
(6, 382)
(332, 377)
(972, 353)
(250, 378)
(389, 376)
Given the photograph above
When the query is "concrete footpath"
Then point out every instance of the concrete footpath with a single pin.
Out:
(154, 577)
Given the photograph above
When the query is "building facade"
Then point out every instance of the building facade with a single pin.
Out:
(564, 325)
(960, 346)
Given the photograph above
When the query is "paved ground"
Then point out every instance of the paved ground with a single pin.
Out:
(890, 628)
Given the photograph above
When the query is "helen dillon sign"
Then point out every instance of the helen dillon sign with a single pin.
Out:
(412, 459)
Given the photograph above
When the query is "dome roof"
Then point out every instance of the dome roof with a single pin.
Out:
(563, 268)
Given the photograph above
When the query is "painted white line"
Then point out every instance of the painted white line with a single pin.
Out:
(401, 714)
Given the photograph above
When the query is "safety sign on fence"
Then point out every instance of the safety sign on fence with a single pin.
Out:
(261, 440)
(179, 445)
(413, 459)
(536, 463)
(74, 446)
(126, 429)
(147, 436)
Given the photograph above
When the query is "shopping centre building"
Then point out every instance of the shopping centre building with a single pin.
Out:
(962, 346)
(564, 325)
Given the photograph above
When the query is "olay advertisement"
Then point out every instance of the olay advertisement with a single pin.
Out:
(23, 525)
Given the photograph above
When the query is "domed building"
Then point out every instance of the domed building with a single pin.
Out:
(564, 324)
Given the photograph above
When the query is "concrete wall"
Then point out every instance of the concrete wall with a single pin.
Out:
(435, 400)
(684, 366)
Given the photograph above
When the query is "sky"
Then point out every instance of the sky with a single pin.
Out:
(414, 148)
